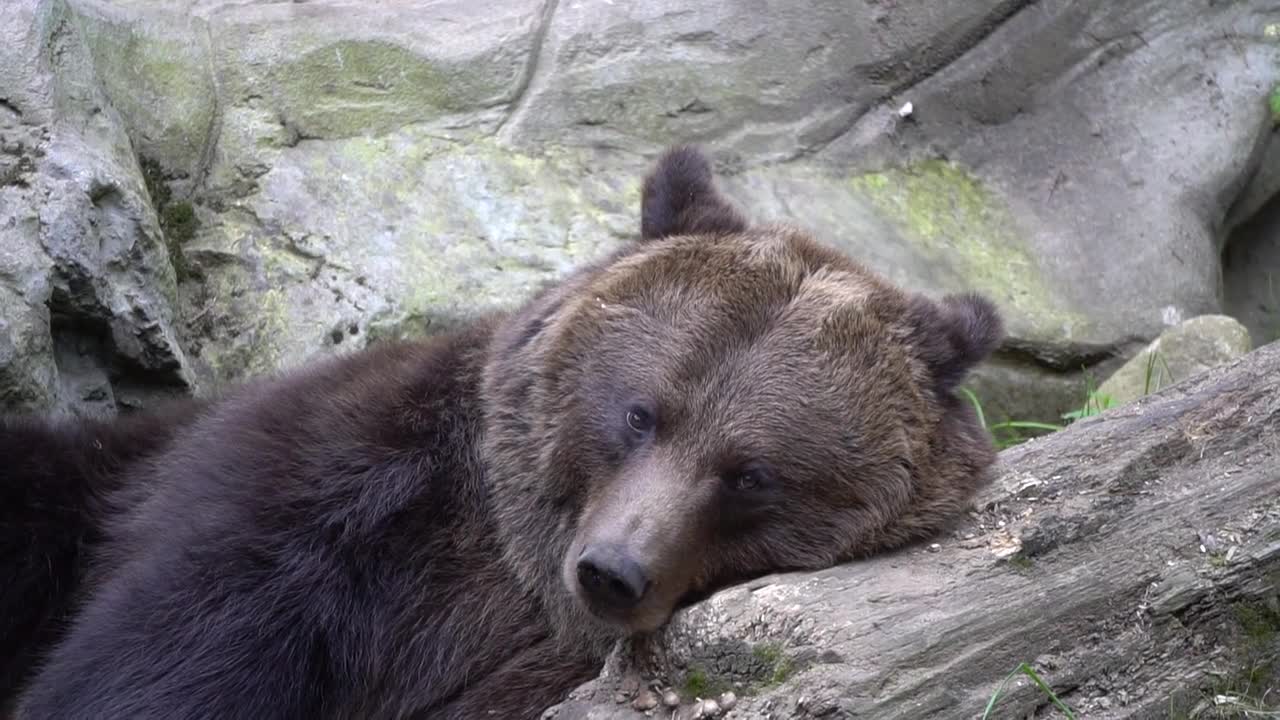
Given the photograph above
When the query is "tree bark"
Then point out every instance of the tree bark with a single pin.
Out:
(1132, 560)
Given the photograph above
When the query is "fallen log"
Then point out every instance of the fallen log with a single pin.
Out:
(1132, 561)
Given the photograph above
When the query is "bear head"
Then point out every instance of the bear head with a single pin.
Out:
(721, 400)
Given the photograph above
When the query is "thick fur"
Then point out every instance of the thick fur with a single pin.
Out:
(393, 534)
(56, 480)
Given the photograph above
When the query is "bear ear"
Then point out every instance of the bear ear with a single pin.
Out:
(954, 334)
(680, 198)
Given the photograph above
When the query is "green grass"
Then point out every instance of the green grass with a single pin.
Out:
(1150, 375)
(1274, 103)
(1026, 669)
(1005, 434)
(1247, 691)
(1245, 682)
(1012, 432)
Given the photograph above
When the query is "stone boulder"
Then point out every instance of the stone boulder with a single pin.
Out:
(1180, 352)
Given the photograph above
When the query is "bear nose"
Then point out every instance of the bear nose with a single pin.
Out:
(610, 578)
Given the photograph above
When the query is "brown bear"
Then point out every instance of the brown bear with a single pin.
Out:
(463, 527)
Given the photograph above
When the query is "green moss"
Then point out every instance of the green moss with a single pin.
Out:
(156, 74)
(242, 330)
(699, 684)
(351, 87)
(497, 224)
(1274, 103)
(768, 666)
(1259, 622)
(178, 220)
(153, 178)
(1020, 562)
(767, 652)
(955, 222)
(777, 667)
(781, 671)
(695, 683)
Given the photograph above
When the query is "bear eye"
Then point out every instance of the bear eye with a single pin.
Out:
(639, 419)
(747, 478)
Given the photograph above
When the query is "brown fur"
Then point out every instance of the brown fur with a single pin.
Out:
(751, 345)
(402, 533)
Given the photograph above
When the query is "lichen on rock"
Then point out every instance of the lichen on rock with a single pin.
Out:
(958, 224)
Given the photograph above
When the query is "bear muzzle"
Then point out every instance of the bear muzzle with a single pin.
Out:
(610, 579)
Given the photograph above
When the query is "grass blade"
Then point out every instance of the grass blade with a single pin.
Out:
(977, 406)
(1025, 669)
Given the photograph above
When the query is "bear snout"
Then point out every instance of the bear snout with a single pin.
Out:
(610, 579)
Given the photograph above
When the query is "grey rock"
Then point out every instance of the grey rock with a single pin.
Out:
(1089, 120)
(307, 265)
(84, 271)
(1262, 187)
(646, 699)
(1180, 352)
(356, 172)
(771, 81)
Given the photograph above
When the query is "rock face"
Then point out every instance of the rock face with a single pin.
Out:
(1103, 556)
(1180, 352)
(293, 179)
(86, 286)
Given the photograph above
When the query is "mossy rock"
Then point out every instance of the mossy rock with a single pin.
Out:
(962, 228)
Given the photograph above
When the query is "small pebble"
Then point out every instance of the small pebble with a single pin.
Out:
(710, 708)
(645, 700)
(619, 698)
(935, 547)
(670, 698)
(728, 701)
